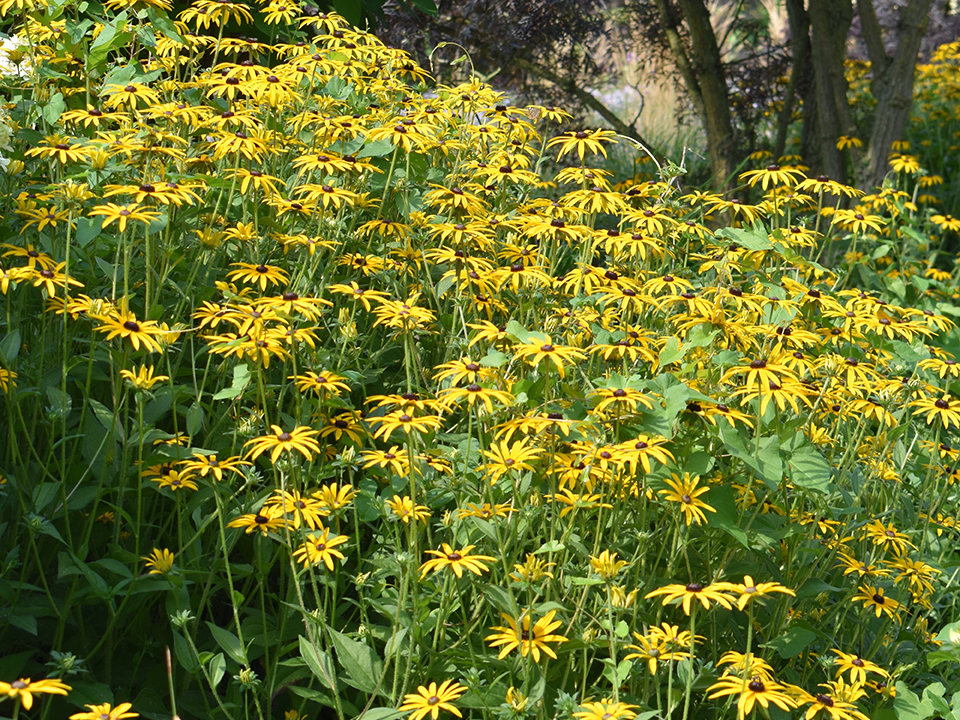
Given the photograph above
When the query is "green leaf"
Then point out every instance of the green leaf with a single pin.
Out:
(754, 238)
(218, 666)
(381, 714)
(112, 36)
(54, 109)
(793, 642)
(909, 706)
(106, 419)
(88, 229)
(229, 642)
(725, 517)
(181, 649)
(427, 6)
(813, 587)
(10, 347)
(494, 358)
(764, 461)
(89, 693)
(165, 25)
(808, 468)
(671, 352)
(377, 148)
(362, 665)
(24, 622)
(194, 419)
(241, 378)
(319, 663)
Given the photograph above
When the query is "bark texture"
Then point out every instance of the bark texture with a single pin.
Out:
(703, 76)
(891, 80)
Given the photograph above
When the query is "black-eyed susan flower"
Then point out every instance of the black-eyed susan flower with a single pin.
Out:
(334, 497)
(685, 492)
(457, 560)
(485, 511)
(583, 142)
(535, 350)
(944, 409)
(258, 274)
(753, 691)
(475, 394)
(106, 711)
(143, 379)
(606, 709)
(856, 666)
(572, 501)
(686, 594)
(527, 637)
(431, 700)
(264, 521)
(24, 689)
(606, 565)
(406, 510)
(749, 591)
(297, 509)
(121, 323)
(503, 458)
(300, 439)
(887, 536)
(533, 570)
(772, 176)
(159, 561)
(873, 598)
(320, 548)
(204, 465)
(323, 383)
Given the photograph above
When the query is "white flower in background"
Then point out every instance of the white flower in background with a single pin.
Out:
(13, 57)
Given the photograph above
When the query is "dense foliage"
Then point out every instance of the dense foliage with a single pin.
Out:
(324, 395)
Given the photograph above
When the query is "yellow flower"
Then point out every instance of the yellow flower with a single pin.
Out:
(606, 709)
(160, 562)
(751, 590)
(300, 439)
(687, 493)
(606, 565)
(583, 141)
(144, 379)
(106, 712)
(24, 689)
(518, 634)
(694, 591)
(757, 690)
(873, 598)
(431, 700)
(320, 548)
(405, 509)
(456, 560)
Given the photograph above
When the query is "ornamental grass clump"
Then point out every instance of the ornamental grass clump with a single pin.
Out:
(331, 391)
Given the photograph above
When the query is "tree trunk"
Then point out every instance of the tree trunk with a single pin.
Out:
(829, 24)
(801, 80)
(705, 81)
(892, 81)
